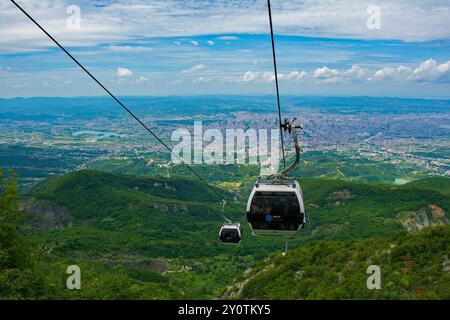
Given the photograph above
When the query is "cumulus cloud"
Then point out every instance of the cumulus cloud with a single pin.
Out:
(326, 75)
(427, 71)
(296, 75)
(249, 76)
(430, 71)
(355, 73)
(124, 72)
(400, 73)
(269, 76)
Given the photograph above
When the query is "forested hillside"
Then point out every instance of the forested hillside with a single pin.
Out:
(413, 266)
(154, 237)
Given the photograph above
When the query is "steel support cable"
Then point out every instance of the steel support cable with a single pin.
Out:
(276, 81)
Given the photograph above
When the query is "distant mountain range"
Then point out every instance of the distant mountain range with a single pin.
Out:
(90, 107)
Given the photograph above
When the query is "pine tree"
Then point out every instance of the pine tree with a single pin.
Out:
(13, 254)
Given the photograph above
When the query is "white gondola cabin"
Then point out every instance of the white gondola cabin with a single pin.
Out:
(276, 208)
(230, 233)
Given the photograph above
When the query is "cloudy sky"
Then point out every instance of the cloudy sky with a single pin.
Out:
(181, 47)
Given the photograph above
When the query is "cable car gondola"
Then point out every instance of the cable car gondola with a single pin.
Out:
(230, 233)
(276, 208)
(275, 205)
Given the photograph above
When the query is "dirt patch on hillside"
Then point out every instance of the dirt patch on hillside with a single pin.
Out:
(437, 211)
(340, 196)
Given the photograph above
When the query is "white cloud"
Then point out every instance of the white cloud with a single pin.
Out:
(296, 75)
(249, 76)
(401, 74)
(196, 68)
(228, 38)
(326, 75)
(409, 20)
(427, 71)
(129, 48)
(430, 71)
(330, 75)
(142, 80)
(124, 72)
(355, 73)
(268, 76)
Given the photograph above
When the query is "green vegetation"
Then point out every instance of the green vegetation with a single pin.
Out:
(334, 165)
(330, 165)
(156, 237)
(24, 270)
(18, 275)
(413, 266)
(32, 164)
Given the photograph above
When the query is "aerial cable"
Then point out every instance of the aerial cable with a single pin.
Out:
(224, 204)
(276, 82)
(120, 103)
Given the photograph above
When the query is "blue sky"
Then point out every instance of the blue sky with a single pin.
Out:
(175, 47)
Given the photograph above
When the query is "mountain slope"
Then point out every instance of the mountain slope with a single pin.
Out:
(99, 212)
(413, 266)
(345, 210)
(170, 226)
(179, 217)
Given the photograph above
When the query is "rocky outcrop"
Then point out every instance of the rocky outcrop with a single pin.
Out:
(174, 208)
(445, 264)
(432, 215)
(338, 197)
(164, 185)
(45, 215)
(235, 291)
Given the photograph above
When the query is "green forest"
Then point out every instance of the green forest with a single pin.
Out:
(156, 238)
